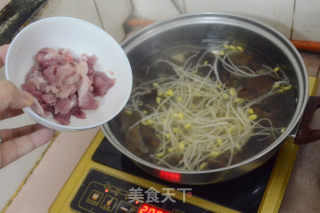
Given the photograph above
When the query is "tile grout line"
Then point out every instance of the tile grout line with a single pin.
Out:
(293, 16)
(99, 15)
(184, 6)
(177, 7)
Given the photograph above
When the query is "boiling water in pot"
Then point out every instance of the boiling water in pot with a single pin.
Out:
(198, 108)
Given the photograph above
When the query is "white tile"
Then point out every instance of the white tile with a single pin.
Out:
(82, 9)
(180, 4)
(113, 13)
(273, 12)
(307, 20)
(155, 9)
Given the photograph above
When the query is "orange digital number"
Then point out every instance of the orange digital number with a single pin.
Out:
(152, 210)
(144, 209)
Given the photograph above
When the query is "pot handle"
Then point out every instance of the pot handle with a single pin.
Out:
(305, 134)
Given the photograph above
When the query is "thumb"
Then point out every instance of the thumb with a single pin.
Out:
(12, 97)
(3, 53)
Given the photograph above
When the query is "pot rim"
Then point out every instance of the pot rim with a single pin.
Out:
(276, 37)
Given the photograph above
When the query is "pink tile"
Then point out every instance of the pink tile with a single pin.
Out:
(303, 191)
(312, 62)
(52, 172)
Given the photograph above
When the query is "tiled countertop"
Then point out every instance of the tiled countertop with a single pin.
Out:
(303, 193)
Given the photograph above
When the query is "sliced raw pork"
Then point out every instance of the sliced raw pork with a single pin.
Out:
(64, 85)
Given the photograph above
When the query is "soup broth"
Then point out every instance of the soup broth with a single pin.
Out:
(198, 108)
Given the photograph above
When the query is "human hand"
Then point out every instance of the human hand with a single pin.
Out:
(14, 143)
(3, 52)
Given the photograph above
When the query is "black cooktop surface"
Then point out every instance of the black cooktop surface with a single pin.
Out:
(243, 194)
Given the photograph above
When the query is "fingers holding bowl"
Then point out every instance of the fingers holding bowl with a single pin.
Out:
(13, 98)
(16, 147)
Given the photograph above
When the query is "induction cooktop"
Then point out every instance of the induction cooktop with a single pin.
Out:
(105, 180)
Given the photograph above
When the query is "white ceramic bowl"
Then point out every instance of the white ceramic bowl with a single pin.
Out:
(81, 37)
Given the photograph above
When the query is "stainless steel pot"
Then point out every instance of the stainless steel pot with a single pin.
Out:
(203, 29)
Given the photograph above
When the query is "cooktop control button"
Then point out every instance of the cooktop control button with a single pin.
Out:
(94, 197)
(109, 203)
(124, 207)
